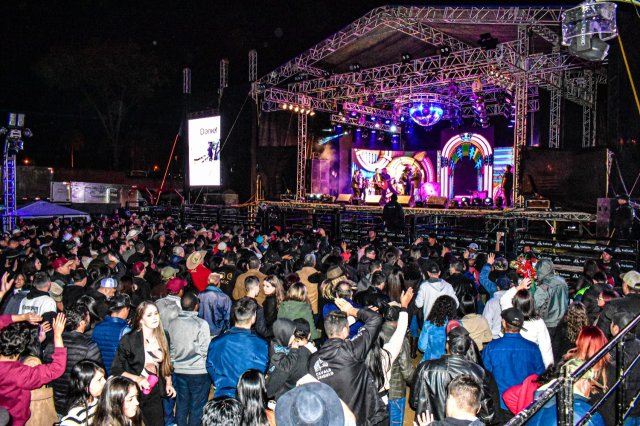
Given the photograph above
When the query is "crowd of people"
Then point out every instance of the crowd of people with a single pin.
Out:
(129, 320)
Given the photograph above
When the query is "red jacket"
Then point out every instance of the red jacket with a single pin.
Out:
(518, 397)
(200, 277)
(17, 381)
(5, 320)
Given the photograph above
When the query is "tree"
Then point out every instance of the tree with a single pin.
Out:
(112, 78)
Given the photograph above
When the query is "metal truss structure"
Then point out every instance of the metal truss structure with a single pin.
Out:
(224, 78)
(253, 65)
(526, 65)
(301, 166)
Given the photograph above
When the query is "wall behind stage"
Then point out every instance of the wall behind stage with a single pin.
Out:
(573, 180)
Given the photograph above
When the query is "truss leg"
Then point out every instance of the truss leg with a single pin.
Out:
(253, 65)
(555, 109)
(520, 137)
(589, 112)
(301, 167)
(9, 184)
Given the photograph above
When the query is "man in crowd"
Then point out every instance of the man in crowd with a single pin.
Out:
(237, 350)
(429, 389)
(169, 306)
(253, 270)
(511, 358)
(630, 303)
(38, 301)
(138, 271)
(433, 288)
(305, 273)
(464, 401)
(61, 271)
(109, 331)
(102, 296)
(393, 215)
(492, 310)
(551, 297)
(215, 306)
(343, 291)
(460, 282)
(190, 341)
(228, 273)
(341, 363)
(609, 266)
(252, 290)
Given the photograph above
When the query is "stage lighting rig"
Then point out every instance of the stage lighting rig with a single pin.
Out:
(587, 27)
(427, 109)
(487, 41)
(444, 51)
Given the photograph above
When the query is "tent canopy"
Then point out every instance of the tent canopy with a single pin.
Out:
(43, 210)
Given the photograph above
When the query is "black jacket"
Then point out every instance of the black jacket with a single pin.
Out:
(79, 346)
(130, 356)
(429, 389)
(629, 303)
(286, 365)
(462, 285)
(341, 364)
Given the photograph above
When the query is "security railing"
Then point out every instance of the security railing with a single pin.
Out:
(562, 389)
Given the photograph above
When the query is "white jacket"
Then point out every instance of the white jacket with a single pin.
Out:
(534, 330)
(429, 291)
(492, 312)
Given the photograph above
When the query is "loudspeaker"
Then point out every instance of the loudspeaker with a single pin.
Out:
(537, 204)
(404, 199)
(372, 199)
(604, 216)
(344, 198)
(436, 201)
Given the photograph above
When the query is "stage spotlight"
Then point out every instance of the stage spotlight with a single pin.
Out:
(476, 202)
(585, 29)
(405, 58)
(312, 113)
(291, 107)
(393, 128)
(444, 50)
(453, 204)
(296, 109)
(283, 106)
(326, 74)
(487, 42)
(488, 202)
(355, 67)
(465, 202)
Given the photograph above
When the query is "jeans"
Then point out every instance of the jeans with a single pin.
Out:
(168, 404)
(396, 411)
(193, 392)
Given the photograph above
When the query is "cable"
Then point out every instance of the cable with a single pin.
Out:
(234, 123)
(626, 63)
(166, 170)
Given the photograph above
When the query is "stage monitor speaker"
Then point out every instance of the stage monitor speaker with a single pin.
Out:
(404, 199)
(344, 198)
(372, 199)
(537, 204)
(604, 216)
(436, 201)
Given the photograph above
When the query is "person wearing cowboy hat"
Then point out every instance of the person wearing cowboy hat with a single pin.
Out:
(199, 272)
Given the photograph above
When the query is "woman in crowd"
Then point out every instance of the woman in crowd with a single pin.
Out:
(433, 336)
(394, 285)
(143, 356)
(118, 404)
(274, 296)
(296, 305)
(569, 328)
(589, 341)
(477, 325)
(87, 382)
(252, 394)
(19, 291)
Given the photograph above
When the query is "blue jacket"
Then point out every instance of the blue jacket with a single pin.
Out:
(511, 359)
(107, 335)
(485, 282)
(433, 340)
(548, 415)
(215, 309)
(353, 328)
(231, 354)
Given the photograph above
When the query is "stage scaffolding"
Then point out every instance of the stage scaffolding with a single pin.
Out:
(529, 55)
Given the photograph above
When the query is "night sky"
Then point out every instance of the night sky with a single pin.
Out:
(191, 33)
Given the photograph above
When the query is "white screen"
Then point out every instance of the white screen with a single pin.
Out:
(204, 151)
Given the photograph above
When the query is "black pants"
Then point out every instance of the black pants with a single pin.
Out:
(507, 196)
(151, 406)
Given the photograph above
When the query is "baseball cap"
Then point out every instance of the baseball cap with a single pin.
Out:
(514, 317)
(503, 282)
(174, 285)
(119, 301)
(473, 246)
(501, 264)
(108, 283)
(59, 262)
(137, 268)
(632, 279)
(168, 272)
(432, 267)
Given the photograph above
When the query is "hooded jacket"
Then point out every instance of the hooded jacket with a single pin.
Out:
(341, 364)
(430, 290)
(215, 309)
(38, 302)
(294, 309)
(429, 389)
(287, 365)
(551, 297)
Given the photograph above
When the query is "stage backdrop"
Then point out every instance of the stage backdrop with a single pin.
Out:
(204, 151)
(368, 160)
(571, 179)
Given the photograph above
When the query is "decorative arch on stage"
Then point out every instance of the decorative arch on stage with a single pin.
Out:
(466, 145)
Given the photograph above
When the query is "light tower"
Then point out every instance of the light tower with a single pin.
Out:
(14, 133)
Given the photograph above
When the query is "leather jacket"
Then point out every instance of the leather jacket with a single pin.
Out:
(431, 379)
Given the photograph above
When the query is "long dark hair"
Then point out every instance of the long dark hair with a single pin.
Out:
(394, 285)
(81, 376)
(252, 394)
(443, 310)
(374, 361)
(523, 300)
(110, 411)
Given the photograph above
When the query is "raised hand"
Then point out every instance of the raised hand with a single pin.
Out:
(491, 258)
(406, 297)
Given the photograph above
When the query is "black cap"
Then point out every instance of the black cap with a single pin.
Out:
(514, 317)
(432, 267)
(119, 301)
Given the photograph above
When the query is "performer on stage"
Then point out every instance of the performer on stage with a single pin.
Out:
(416, 179)
(377, 182)
(385, 185)
(405, 178)
(356, 184)
(507, 185)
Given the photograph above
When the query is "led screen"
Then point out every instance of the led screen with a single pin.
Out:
(204, 151)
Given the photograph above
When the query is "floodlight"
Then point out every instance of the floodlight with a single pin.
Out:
(585, 29)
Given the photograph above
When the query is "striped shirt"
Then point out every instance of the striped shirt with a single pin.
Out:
(80, 415)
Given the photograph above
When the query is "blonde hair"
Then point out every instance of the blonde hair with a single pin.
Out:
(298, 292)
